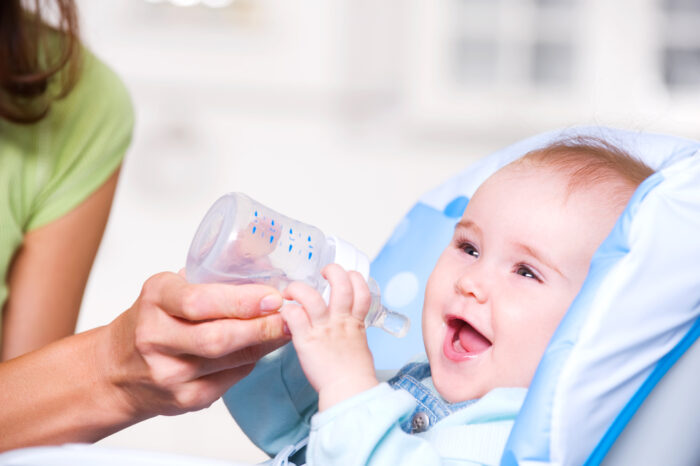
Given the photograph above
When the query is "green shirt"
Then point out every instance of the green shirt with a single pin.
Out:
(48, 168)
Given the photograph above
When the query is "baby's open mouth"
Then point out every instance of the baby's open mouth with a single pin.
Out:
(463, 341)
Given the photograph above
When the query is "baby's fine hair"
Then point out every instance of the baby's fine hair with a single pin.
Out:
(591, 162)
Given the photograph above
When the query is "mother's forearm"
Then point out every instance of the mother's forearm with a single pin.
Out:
(60, 394)
(177, 349)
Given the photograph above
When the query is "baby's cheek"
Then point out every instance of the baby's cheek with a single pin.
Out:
(557, 310)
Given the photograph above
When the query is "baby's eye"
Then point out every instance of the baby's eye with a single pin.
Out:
(469, 249)
(526, 272)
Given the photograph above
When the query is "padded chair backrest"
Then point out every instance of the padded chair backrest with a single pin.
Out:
(635, 315)
(666, 428)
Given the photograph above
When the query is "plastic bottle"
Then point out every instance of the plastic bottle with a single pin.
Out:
(242, 241)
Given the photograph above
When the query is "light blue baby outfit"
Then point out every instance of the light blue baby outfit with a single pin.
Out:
(402, 421)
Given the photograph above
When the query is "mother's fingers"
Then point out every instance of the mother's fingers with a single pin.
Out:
(196, 302)
(215, 338)
(243, 357)
(202, 392)
(201, 366)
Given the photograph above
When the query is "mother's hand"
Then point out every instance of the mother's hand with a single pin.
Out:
(181, 345)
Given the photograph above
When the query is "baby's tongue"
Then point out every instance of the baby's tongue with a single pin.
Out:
(471, 340)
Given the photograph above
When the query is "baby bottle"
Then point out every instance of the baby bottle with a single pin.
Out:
(242, 241)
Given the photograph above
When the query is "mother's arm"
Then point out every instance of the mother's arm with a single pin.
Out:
(177, 349)
(49, 272)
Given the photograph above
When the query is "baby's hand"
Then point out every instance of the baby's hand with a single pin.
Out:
(330, 340)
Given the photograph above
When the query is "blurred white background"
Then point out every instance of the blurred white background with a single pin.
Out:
(341, 113)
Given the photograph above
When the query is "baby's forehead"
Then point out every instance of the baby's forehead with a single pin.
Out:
(515, 194)
(525, 166)
(527, 177)
(534, 187)
(576, 180)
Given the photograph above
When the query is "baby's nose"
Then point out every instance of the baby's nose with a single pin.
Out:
(471, 283)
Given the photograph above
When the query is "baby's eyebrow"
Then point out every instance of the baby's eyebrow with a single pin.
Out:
(539, 256)
(469, 225)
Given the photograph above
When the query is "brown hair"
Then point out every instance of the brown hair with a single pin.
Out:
(590, 161)
(39, 63)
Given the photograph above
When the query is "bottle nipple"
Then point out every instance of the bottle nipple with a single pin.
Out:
(379, 316)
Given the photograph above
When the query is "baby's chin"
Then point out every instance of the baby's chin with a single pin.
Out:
(456, 390)
(457, 395)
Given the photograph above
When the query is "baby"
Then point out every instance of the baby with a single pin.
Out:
(518, 257)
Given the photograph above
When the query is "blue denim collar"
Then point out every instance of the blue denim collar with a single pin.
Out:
(411, 378)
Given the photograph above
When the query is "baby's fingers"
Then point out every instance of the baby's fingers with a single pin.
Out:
(362, 297)
(341, 298)
(309, 298)
(296, 319)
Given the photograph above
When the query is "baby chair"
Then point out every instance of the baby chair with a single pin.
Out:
(608, 388)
